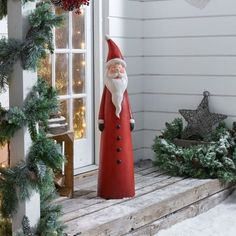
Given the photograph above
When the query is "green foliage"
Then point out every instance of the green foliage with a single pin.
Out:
(36, 174)
(44, 156)
(46, 151)
(40, 103)
(173, 130)
(40, 36)
(10, 50)
(217, 159)
(50, 213)
(39, 40)
(10, 122)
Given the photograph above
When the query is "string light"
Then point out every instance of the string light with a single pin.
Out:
(61, 72)
(82, 45)
(80, 122)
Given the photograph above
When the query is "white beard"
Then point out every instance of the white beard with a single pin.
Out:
(117, 88)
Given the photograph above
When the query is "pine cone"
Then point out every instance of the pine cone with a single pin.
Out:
(57, 3)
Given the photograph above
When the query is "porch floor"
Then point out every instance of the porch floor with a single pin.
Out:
(161, 201)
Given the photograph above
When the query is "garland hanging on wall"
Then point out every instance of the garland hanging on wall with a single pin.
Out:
(38, 40)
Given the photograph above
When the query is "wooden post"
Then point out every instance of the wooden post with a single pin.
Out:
(21, 82)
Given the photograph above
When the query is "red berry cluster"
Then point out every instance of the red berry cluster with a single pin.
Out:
(70, 5)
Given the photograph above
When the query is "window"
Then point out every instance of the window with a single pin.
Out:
(69, 70)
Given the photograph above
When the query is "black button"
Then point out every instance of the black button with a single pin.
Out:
(118, 126)
(119, 149)
(118, 138)
(118, 161)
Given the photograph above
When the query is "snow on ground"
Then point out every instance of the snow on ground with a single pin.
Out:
(219, 221)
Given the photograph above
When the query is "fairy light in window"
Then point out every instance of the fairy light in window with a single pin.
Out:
(80, 122)
(82, 45)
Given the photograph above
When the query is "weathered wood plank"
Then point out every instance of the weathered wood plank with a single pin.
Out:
(74, 210)
(144, 209)
(72, 205)
(88, 196)
(183, 214)
(143, 167)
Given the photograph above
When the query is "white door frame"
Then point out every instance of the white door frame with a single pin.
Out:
(100, 26)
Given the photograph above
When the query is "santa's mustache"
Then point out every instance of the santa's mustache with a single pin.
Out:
(115, 75)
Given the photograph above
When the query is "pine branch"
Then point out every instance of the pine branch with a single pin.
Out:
(9, 53)
(40, 37)
(10, 122)
(45, 150)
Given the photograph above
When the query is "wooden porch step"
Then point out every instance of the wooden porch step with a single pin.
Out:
(160, 201)
(187, 212)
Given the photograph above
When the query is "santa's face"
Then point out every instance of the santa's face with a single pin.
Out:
(116, 71)
(116, 82)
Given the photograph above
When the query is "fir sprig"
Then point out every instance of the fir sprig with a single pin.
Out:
(10, 50)
(36, 174)
(10, 122)
(39, 40)
(39, 37)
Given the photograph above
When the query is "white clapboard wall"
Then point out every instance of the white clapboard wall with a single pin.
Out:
(4, 98)
(185, 51)
(124, 25)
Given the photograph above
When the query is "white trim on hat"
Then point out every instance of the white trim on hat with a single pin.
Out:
(116, 60)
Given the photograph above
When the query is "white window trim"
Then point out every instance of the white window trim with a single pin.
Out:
(100, 16)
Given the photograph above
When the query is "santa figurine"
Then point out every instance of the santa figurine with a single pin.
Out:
(116, 169)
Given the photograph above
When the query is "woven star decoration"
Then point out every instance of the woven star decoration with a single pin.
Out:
(201, 120)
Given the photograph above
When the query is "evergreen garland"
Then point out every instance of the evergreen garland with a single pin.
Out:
(38, 40)
(216, 159)
(39, 37)
(36, 174)
(9, 53)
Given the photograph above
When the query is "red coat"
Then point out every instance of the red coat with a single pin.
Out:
(116, 171)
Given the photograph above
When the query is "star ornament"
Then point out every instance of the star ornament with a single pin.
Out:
(200, 121)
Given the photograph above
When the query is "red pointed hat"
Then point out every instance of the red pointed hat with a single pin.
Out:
(114, 53)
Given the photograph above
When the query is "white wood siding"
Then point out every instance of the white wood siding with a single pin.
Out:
(186, 51)
(124, 25)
